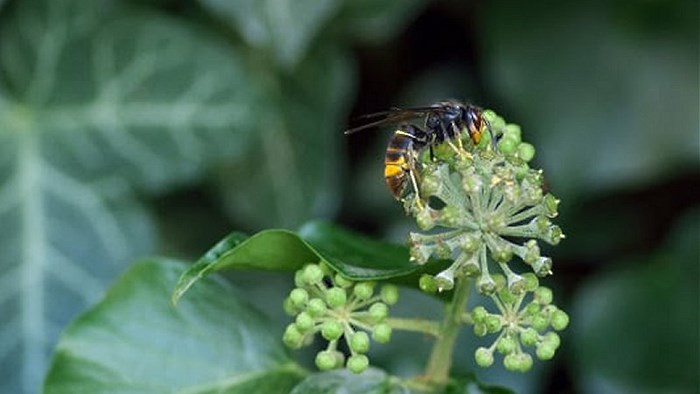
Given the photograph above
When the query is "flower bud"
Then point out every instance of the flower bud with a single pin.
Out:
(304, 322)
(299, 297)
(526, 151)
(544, 295)
(559, 320)
(358, 363)
(545, 351)
(378, 311)
(483, 357)
(359, 342)
(363, 290)
(336, 297)
(292, 337)
(493, 323)
(506, 345)
(479, 314)
(427, 284)
(331, 330)
(326, 360)
(389, 294)
(381, 333)
(312, 274)
(529, 336)
(316, 307)
(341, 281)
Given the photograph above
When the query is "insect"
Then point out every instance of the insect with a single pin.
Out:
(444, 121)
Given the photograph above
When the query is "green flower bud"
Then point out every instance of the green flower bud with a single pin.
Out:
(442, 250)
(545, 351)
(510, 362)
(532, 252)
(425, 220)
(543, 295)
(313, 274)
(507, 145)
(552, 338)
(550, 204)
(316, 307)
(472, 183)
(299, 278)
(341, 281)
(359, 342)
(502, 253)
(358, 363)
(381, 333)
(543, 266)
(325, 360)
(529, 337)
(506, 345)
(292, 337)
(289, 307)
(331, 330)
(532, 308)
(493, 323)
(427, 284)
(378, 311)
(479, 314)
(513, 132)
(542, 224)
(480, 329)
(559, 320)
(363, 290)
(304, 322)
(540, 321)
(483, 357)
(506, 296)
(516, 284)
(390, 294)
(486, 284)
(524, 362)
(299, 297)
(470, 242)
(554, 235)
(531, 281)
(526, 151)
(336, 297)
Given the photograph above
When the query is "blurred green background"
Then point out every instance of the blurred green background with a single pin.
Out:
(130, 128)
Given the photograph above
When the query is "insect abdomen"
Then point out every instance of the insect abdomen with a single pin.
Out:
(396, 162)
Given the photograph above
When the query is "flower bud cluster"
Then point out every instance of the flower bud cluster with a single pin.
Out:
(519, 324)
(324, 302)
(477, 203)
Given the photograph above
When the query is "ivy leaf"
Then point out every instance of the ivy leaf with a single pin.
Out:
(470, 385)
(352, 255)
(275, 25)
(371, 381)
(134, 340)
(617, 107)
(374, 21)
(96, 98)
(292, 173)
(658, 298)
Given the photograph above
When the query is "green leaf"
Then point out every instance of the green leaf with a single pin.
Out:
(371, 381)
(286, 28)
(134, 340)
(273, 250)
(470, 385)
(293, 172)
(606, 106)
(375, 21)
(637, 330)
(95, 99)
(354, 256)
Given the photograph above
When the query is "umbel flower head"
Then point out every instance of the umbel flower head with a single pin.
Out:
(324, 302)
(482, 204)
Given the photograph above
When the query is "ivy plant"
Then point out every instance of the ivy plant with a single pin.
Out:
(477, 211)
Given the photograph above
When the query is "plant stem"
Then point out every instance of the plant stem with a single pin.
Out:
(438, 369)
(420, 325)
